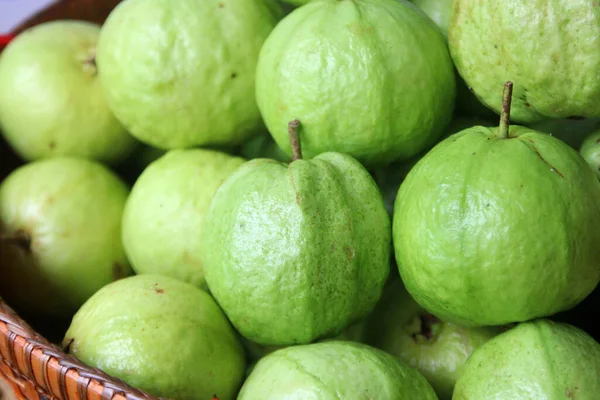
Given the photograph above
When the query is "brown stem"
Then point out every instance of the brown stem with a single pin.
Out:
(293, 128)
(505, 113)
(426, 329)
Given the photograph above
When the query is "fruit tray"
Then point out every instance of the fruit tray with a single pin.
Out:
(32, 366)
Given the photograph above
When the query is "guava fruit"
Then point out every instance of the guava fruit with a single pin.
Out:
(539, 359)
(60, 234)
(181, 74)
(160, 335)
(347, 69)
(296, 252)
(550, 49)
(51, 103)
(498, 225)
(438, 349)
(590, 151)
(334, 370)
(162, 221)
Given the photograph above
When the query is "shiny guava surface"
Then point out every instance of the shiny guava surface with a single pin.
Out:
(550, 49)
(162, 221)
(51, 102)
(159, 335)
(489, 231)
(297, 253)
(181, 74)
(590, 151)
(438, 349)
(334, 370)
(347, 71)
(61, 234)
(540, 359)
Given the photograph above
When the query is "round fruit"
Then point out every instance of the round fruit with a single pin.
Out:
(162, 222)
(160, 335)
(51, 103)
(334, 370)
(495, 226)
(553, 58)
(60, 238)
(294, 253)
(539, 359)
(347, 69)
(590, 151)
(181, 74)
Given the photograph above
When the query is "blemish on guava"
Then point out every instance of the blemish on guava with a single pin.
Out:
(157, 289)
(221, 5)
(350, 252)
(233, 75)
(51, 145)
(570, 393)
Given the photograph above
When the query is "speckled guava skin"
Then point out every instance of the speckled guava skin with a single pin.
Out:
(295, 253)
(540, 359)
(550, 49)
(490, 230)
(181, 74)
(347, 70)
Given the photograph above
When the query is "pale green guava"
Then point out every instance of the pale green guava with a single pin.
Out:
(160, 335)
(540, 359)
(498, 225)
(60, 234)
(162, 221)
(351, 73)
(51, 102)
(590, 151)
(296, 253)
(331, 371)
(550, 49)
(181, 73)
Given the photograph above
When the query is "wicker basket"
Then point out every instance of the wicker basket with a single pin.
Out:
(31, 367)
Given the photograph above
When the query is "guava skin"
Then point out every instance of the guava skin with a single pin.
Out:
(160, 335)
(590, 151)
(540, 359)
(60, 221)
(297, 253)
(182, 74)
(51, 103)
(438, 349)
(491, 231)
(162, 221)
(347, 71)
(331, 371)
(550, 49)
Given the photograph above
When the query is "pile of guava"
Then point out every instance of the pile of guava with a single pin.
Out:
(311, 200)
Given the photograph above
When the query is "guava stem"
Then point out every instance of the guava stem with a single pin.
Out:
(293, 128)
(19, 239)
(505, 113)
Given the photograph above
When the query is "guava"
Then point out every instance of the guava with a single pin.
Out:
(438, 349)
(162, 221)
(347, 70)
(334, 370)
(51, 103)
(550, 49)
(60, 234)
(296, 252)
(160, 335)
(539, 359)
(590, 151)
(498, 225)
(181, 74)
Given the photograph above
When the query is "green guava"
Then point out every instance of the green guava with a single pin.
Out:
(347, 70)
(182, 74)
(296, 253)
(60, 234)
(160, 335)
(162, 221)
(550, 49)
(438, 349)
(539, 359)
(51, 102)
(590, 151)
(331, 371)
(498, 225)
